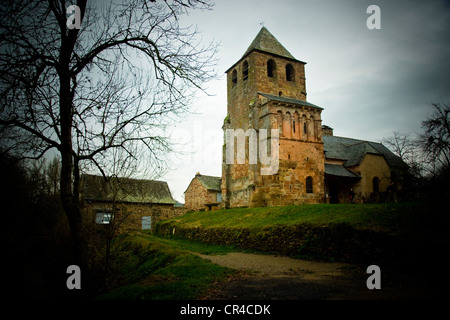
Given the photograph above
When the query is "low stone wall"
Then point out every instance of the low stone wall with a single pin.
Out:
(339, 242)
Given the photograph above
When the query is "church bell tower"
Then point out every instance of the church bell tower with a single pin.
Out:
(266, 89)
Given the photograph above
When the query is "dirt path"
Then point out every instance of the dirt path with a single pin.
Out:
(265, 277)
(266, 265)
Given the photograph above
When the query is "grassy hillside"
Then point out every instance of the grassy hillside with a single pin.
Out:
(153, 267)
(399, 219)
(363, 233)
(148, 268)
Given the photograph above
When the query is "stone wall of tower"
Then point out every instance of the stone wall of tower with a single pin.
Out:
(241, 95)
(300, 152)
(301, 148)
(278, 84)
(241, 91)
(250, 75)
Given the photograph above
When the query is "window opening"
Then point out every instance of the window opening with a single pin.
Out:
(271, 68)
(245, 71)
(376, 185)
(234, 77)
(309, 185)
(103, 217)
(289, 72)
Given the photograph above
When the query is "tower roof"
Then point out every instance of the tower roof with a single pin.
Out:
(266, 42)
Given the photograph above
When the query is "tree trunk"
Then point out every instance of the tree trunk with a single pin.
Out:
(69, 191)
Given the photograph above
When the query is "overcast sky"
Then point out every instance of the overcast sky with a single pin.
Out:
(369, 82)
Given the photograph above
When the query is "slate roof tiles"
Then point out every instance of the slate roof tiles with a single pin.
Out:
(96, 188)
(354, 150)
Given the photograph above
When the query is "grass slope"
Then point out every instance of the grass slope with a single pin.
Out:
(150, 268)
(399, 219)
(159, 268)
(394, 233)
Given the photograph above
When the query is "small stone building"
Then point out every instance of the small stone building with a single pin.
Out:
(127, 203)
(203, 193)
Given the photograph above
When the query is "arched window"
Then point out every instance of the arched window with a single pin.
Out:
(376, 184)
(245, 70)
(309, 185)
(271, 68)
(234, 77)
(290, 73)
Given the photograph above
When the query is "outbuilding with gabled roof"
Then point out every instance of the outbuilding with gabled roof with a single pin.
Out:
(123, 204)
(203, 193)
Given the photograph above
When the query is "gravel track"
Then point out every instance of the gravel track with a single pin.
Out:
(266, 277)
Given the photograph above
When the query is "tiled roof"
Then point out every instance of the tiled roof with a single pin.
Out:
(266, 42)
(340, 171)
(210, 182)
(287, 100)
(352, 151)
(125, 190)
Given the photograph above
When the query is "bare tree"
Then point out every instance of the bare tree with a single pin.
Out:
(114, 83)
(401, 144)
(435, 139)
(52, 172)
(406, 147)
(121, 170)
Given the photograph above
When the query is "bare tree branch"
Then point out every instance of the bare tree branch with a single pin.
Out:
(435, 140)
(114, 84)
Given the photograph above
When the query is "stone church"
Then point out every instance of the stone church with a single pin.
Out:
(266, 89)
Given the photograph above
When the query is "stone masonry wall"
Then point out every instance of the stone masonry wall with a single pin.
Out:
(197, 196)
(128, 216)
(301, 148)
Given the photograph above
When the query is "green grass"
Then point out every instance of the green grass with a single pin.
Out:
(156, 267)
(150, 268)
(191, 246)
(393, 218)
